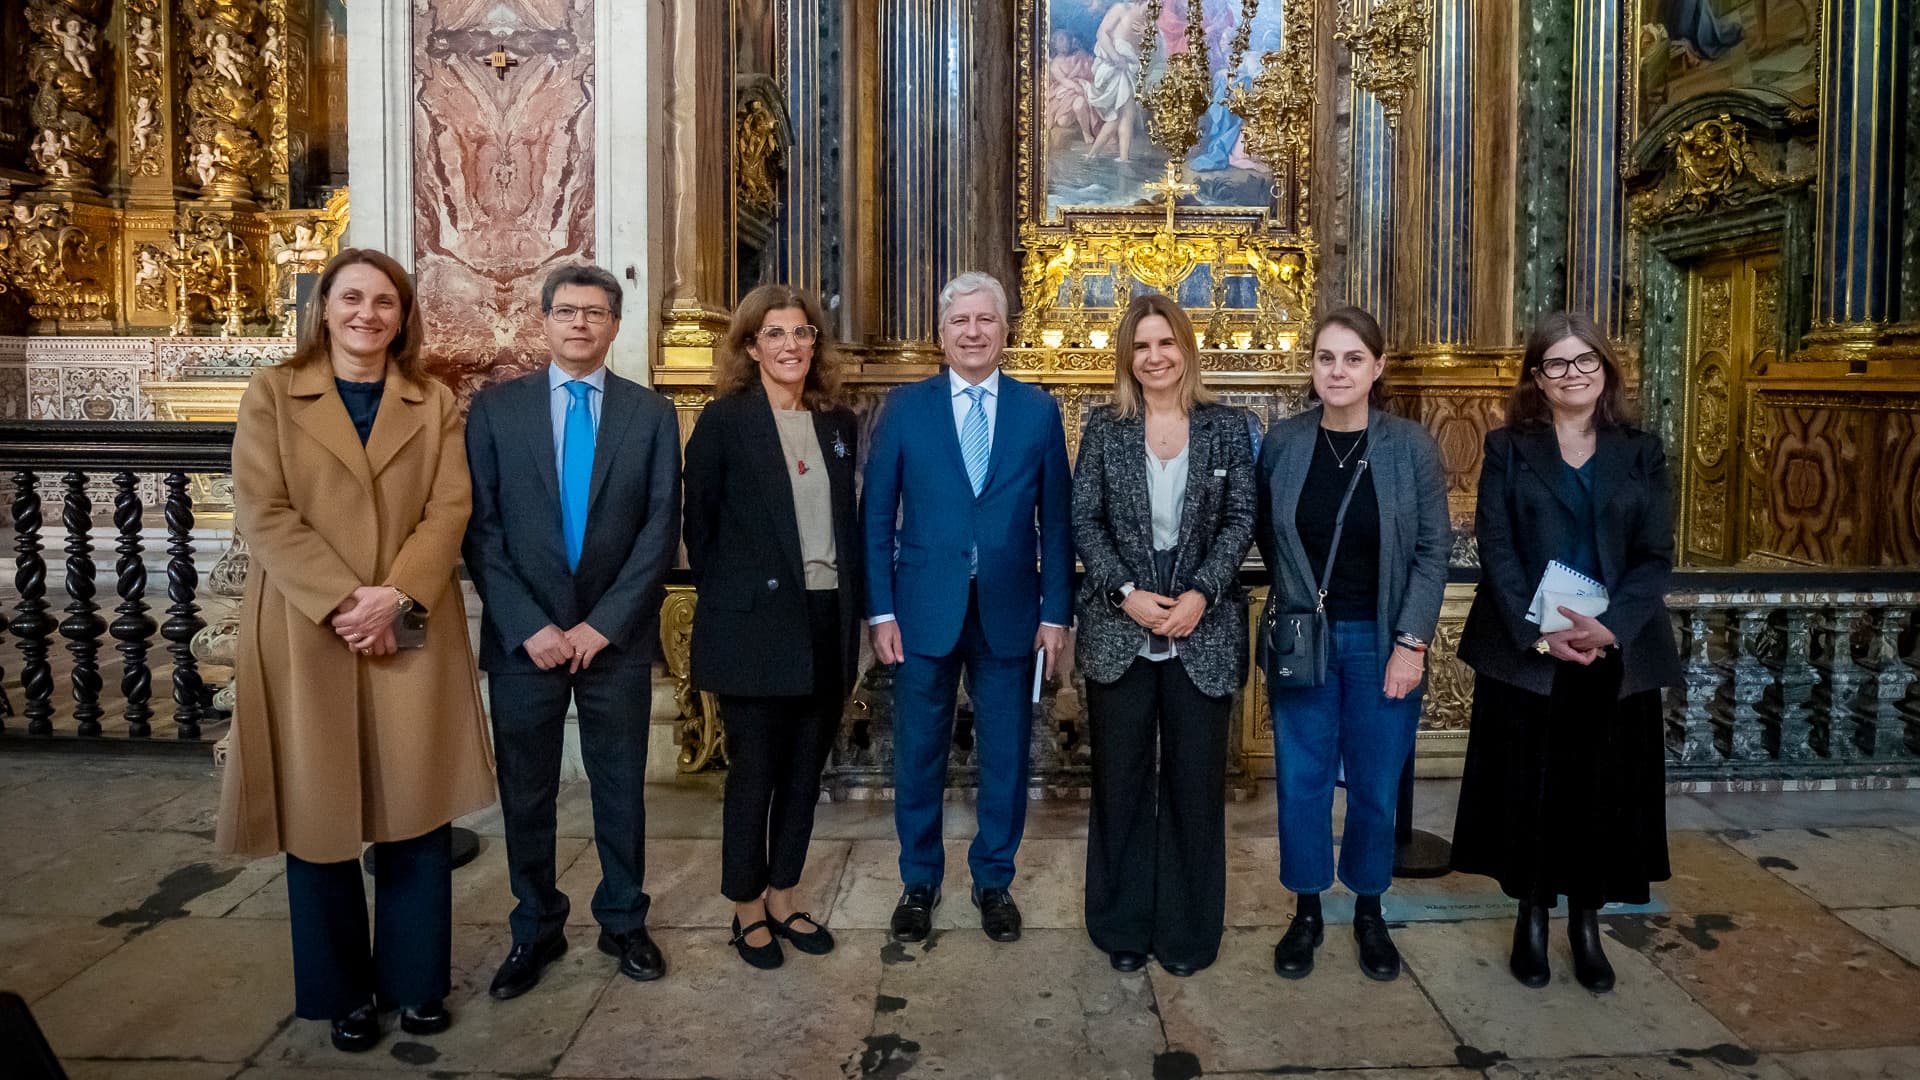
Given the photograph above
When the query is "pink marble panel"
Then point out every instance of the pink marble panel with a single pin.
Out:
(503, 175)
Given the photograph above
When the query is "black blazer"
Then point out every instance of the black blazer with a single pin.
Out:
(1523, 521)
(750, 633)
(514, 547)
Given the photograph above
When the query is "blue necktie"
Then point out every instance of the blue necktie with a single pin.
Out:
(975, 445)
(576, 470)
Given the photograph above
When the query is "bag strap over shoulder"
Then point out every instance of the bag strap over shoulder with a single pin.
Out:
(1333, 546)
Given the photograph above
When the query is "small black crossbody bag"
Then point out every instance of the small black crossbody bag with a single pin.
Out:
(1293, 644)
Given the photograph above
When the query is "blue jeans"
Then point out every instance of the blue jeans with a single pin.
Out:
(1347, 720)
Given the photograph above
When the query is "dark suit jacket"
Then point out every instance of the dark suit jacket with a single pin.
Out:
(1523, 521)
(750, 636)
(515, 549)
(1415, 534)
(1113, 530)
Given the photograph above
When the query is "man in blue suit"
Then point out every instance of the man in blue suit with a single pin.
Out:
(970, 556)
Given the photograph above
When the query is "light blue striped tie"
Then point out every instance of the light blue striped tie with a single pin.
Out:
(975, 445)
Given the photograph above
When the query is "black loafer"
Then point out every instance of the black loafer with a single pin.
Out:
(640, 958)
(1379, 959)
(999, 915)
(358, 1031)
(1528, 961)
(1127, 960)
(815, 942)
(1181, 971)
(765, 957)
(523, 966)
(913, 915)
(431, 1018)
(1590, 964)
(1293, 956)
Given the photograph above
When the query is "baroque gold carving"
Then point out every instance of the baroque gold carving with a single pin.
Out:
(1714, 413)
(51, 259)
(222, 150)
(273, 61)
(1713, 166)
(146, 86)
(1386, 39)
(759, 156)
(70, 92)
(702, 738)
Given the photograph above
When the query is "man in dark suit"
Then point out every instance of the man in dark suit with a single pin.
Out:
(576, 502)
(969, 563)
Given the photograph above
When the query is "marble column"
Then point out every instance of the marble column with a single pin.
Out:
(1370, 236)
(1596, 238)
(1863, 98)
(926, 88)
(1446, 300)
(696, 120)
(1544, 150)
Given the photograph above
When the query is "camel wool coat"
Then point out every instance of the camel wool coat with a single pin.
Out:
(329, 748)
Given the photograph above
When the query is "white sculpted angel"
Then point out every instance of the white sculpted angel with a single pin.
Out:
(206, 161)
(76, 41)
(146, 43)
(224, 60)
(144, 123)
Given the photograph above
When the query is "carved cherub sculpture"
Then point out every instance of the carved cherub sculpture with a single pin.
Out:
(146, 42)
(144, 123)
(224, 60)
(206, 162)
(270, 49)
(50, 150)
(76, 41)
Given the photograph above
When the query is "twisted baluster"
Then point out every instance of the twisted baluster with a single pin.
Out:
(1703, 689)
(1797, 680)
(134, 627)
(1750, 681)
(1844, 678)
(31, 623)
(83, 626)
(1888, 685)
(183, 615)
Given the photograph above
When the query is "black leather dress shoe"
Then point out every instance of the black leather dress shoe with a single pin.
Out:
(1293, 956)
(815, 942)
(523, 966)
(1127, 960)
(765, 957)
(1379, 959)
(1529, 960)
(358, 1031)
(640, 958)
(999, 915)
(431, 1018)
(913, 915)
(1590, 964)
(1178, 970)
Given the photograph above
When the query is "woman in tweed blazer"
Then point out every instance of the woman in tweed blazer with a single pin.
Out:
(1163, 511)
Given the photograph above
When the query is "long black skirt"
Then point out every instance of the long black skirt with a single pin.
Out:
(1565, 795)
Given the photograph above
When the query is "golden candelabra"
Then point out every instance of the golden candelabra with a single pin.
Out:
(230, 326)
(179, 262)
(1386, 39)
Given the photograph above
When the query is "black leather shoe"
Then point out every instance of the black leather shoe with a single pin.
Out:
(1529, 960)
(1127, 960)
(1178, 970)
(429, 1019)
(815, 942)
(913, 915)
(523, 966)
(1378, 957)
(1293, 956)
(765, 957)
(1590, 964)
(999, 915)
(640, 958)
(358, 1031)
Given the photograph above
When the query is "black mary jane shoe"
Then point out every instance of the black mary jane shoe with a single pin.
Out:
(1529, 959)
(815, 942)
(358, 1031)
(1590, 965)
(431, 1018)
(1293, 956)
(765, 957)
(1126, 960)
(1379, 958)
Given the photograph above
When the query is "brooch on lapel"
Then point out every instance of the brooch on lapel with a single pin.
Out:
(839, 448)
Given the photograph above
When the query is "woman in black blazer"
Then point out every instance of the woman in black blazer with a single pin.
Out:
(1162, 515)
(773, 541)
(1564, 790)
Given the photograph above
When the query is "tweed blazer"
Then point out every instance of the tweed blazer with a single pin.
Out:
(1113, 530)
(1415, 536)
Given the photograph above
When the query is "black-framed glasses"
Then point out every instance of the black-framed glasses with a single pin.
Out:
(773, 337)
(566, 313)
(1586, 364)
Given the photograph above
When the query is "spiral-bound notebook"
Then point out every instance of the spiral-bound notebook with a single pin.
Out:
(1564, 587)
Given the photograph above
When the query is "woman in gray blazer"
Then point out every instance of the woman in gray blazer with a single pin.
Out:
(1163, 506)
(1382, 602)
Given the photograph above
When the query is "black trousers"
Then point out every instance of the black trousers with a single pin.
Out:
(334, 970)
(529, 722)
(776, 747)
(1157, 836)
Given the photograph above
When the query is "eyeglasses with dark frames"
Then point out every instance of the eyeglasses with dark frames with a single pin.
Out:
(1586, 364)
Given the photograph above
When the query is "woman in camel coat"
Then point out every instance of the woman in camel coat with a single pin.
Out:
(351, 488)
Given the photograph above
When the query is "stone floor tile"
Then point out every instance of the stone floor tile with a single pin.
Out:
(1463, 968)
(808, 1018)
(689, 810)
(854, 819)
(1878, 1063)
(482, 892)
(1049, 885)
(1815, 809)
(151, 1070)
(95, 797)
(1050, 819)
(1714, 1063)
(1840, 867)
(39, 952)
(524, 1036)
(683, 882)
(1688, 812)
(138, 878)
(1785, 980)
(1049, 1005)
(380, 1056)
(1254, 894)
(212, 989)
(1361, 1074)
(1712, 875)
(1238, 1015)
(1896, 928)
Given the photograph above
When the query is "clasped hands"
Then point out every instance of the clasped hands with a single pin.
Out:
(1173, 617)
(364, 620)
(576, 648)
(1582, 643)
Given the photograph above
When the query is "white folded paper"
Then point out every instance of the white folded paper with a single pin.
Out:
(1564, 587)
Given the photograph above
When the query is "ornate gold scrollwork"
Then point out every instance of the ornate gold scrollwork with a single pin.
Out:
(71, 84)
(46, 255)
(222, 149)
(702, 738)
(1713, 166)
(146, 85)
(1386, 39)
(760, 153)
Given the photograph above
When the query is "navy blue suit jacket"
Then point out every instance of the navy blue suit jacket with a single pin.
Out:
(922, 519)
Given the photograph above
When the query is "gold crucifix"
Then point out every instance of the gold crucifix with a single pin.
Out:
(499, 61)
(1171, 188)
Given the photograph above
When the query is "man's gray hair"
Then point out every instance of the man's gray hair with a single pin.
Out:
(968, 283)
(581, 274)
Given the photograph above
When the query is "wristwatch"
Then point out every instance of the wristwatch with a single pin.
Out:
(1118, 597)
(402, 603)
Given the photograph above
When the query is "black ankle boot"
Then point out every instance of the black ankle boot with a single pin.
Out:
(1590, 964)
(1529, 960)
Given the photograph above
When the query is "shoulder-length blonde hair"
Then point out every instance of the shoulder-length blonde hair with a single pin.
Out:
(1128, 398)
(403, 352)
(734, 370)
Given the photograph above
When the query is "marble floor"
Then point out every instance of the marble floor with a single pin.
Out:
(1786, 946)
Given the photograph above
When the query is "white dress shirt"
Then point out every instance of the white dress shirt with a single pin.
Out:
(558, 396)
(1167, 495)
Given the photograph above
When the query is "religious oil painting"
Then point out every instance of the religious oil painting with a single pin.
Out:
(1692, 47)
(1092, 133)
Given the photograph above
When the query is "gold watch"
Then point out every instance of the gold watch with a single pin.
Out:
(402, 603)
